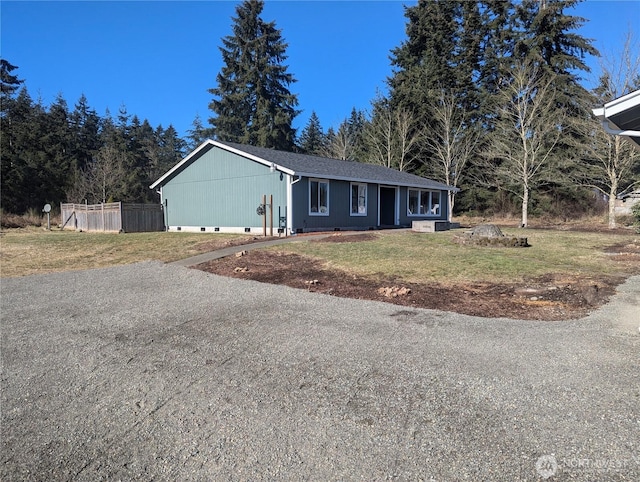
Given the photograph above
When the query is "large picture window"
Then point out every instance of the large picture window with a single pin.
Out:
(318, 197)
(424, 203)
(358, 199)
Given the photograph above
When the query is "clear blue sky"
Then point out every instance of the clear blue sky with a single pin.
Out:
(159, 58)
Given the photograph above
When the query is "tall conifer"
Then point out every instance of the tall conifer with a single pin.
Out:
(252, 103)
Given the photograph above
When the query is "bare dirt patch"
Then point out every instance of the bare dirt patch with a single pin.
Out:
(550, 297)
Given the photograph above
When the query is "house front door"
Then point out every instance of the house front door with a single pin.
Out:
(387, 206)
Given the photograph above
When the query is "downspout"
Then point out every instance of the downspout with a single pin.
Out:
(164, 211)
(290, 181)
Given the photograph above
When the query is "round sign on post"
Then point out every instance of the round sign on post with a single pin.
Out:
(47, 209)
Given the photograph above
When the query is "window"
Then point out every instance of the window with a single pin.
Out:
(318, 197)
(424, 203)
(358, 199)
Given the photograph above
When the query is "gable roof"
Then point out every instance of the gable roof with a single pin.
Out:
(310, 166)
(624, 115)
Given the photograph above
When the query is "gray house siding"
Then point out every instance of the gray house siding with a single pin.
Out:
(339, 215)
(222, 189)
(219, 187)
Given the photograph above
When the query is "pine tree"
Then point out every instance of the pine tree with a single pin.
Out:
(424, 62)
(548, 39)
(252, 103)
(55, 166)
(197, 134)
(9, 83)
(312, 139)
(85, 128)
(18, 138)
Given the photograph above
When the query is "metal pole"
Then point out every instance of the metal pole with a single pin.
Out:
(271, 214)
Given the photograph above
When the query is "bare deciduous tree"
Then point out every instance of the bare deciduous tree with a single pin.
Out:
(453, 141)
(100, 179)
(340, 145)
(392, 137)
(528, 128)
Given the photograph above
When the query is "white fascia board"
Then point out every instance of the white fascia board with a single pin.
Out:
(182, 163)
(257, 159)
(617, 106)
(622, 104)
(371, 181)
(210, 142)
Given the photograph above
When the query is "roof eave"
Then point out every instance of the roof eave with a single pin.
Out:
(436, 185)
(211, 143)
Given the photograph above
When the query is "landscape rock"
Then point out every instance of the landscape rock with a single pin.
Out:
(394, 291)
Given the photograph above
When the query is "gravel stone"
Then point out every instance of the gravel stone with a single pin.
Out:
(158, 372)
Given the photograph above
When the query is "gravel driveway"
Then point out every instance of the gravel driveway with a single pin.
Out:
(157, 372)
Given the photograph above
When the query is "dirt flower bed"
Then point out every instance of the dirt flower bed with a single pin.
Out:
(552, 297)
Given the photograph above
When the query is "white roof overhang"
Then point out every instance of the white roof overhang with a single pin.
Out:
(208, 144)
(621, 117)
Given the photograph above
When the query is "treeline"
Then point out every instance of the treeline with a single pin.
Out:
(52, 154)
(484, 95)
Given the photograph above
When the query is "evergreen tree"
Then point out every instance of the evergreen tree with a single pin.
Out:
(348, 142)
(54, 164)
(424, 61)
(252, 103)
(312, 139)
(197, 134)
(18, 138)
(9, 83)
(85, 128)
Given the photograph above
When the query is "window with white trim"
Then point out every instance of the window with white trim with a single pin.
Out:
(318, 197)
(424, 203)
(358, 199)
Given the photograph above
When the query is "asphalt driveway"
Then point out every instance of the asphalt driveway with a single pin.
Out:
(158, 372)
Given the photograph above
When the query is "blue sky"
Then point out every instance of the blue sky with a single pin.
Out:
(159, 58)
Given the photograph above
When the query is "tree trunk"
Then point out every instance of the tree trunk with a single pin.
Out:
(451, 196)
(612, 205)
(525, 208)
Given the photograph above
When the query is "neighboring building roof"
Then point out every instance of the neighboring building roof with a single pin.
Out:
(311, 166)
(622, 116)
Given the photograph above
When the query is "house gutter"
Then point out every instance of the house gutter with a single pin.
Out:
(616, 107)
(618, 132)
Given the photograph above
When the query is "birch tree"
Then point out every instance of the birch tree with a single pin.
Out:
(392, 137)
(528, 128)
(453, 141)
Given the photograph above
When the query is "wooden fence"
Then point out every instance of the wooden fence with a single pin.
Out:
(113, 217)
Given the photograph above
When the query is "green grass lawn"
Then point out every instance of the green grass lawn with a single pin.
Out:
(416, 257)
(409, 256)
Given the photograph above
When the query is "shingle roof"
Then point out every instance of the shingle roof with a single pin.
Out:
(316, 166)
